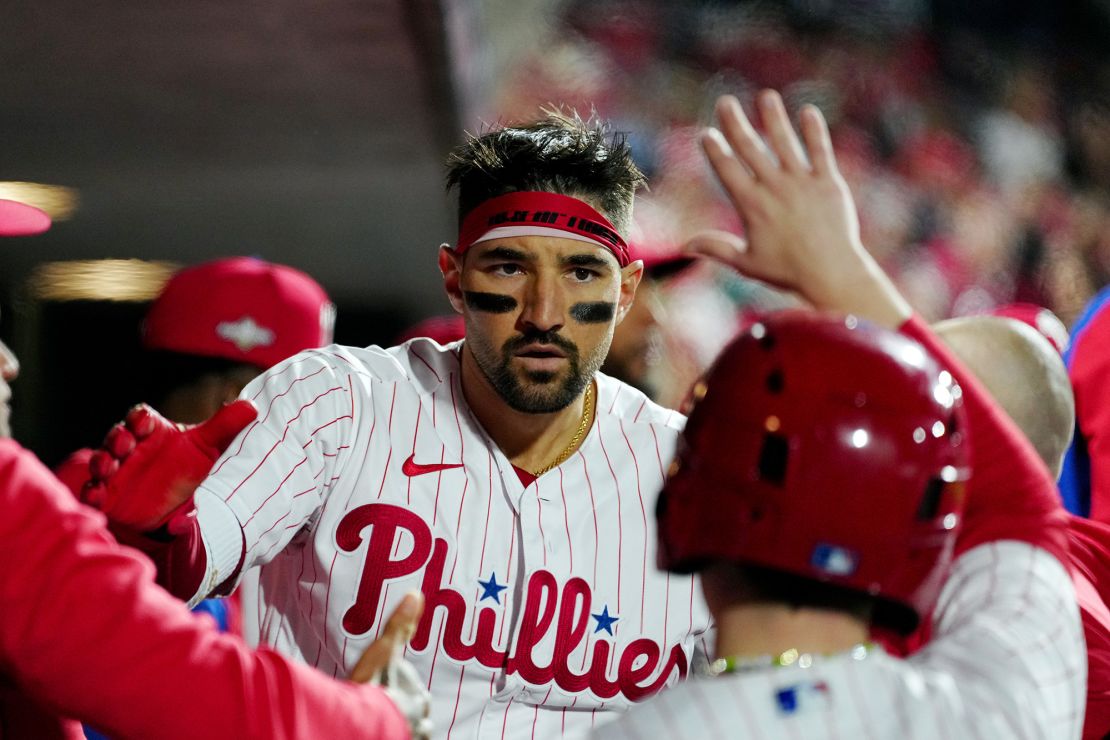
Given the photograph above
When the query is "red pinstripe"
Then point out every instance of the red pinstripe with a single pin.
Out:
(392, 403)
(458, 524)
(285, 433)
(322, 427)
(505, 721)
(485, 531)
(341, 358)
(267, 499)
(620, 522)
(415, 434)
(643, 513)
(417, 356)
(455, 714)
(272, 378)
(593, 508)
(566, 520)
(275, 397)
(278, 541)
(658, 455)
(439, 484)
(242, 441)
(539, 520)
(508, 579)
(327, 602)
(366, 450)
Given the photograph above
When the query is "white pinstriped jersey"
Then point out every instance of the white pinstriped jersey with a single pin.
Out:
(365, 476)
(1006, 661)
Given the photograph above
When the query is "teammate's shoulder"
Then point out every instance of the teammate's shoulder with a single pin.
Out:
(621, 400)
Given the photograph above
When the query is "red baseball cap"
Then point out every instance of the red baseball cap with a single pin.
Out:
(240, 308)
(20, 219)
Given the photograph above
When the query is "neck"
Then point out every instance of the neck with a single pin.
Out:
(761, 629)
(530, 441)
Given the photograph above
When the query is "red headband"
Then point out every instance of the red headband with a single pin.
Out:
(529, 213)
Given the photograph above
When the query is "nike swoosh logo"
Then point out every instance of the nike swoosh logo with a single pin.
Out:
(413, 469)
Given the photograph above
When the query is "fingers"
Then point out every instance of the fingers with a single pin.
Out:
(218, 432)
(397, 631)
(103, 465)
(744, 140)
(142, 420)
(120, 442)
(815, 132)
(780, 133)
(723, 246)
(94, 494)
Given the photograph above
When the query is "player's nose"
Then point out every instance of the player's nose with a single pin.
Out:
(544, 306)
(9, 365)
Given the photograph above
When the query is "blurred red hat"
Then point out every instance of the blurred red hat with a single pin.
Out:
(243, 309)
(655, 241)
(20, 219)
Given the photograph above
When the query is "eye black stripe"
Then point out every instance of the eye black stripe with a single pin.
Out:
(597, 312)
(489, 302)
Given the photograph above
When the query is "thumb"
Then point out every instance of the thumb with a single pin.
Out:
(397, 631)
(218, 432)
(723, 246)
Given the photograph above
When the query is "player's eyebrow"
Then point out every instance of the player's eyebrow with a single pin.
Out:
(507, 254)
(586, 260)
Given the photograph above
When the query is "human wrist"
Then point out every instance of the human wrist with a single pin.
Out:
(858, 286)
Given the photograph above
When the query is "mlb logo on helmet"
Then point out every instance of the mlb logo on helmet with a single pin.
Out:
(803, 697)
(834, 560)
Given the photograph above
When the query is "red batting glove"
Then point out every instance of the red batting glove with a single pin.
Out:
(145, 473)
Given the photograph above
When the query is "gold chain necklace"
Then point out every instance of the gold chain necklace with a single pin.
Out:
(734, 664)
(583, 425)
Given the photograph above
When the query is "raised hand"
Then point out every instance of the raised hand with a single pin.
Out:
(383, 664)
(801, 225)
(146, 471)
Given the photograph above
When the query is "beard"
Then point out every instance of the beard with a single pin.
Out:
(539, 391)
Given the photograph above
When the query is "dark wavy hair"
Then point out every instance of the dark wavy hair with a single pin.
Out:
(560, 153)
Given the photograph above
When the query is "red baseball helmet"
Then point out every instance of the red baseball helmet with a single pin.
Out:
(827, 448)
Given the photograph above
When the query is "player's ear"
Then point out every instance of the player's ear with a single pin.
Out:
(631, 275)
(450, 264)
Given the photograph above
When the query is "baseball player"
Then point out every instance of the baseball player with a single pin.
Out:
(85, 633)
(1026, 377)
(1085, 478)
(503, 476)
(212, 329)
(1003, 654)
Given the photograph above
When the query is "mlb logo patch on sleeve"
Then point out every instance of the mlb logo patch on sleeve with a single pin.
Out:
(809, 696)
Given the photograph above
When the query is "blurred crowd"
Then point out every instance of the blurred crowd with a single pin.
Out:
(981, 165)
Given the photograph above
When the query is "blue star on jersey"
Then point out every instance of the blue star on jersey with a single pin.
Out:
(604, 621)
(491, 589)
